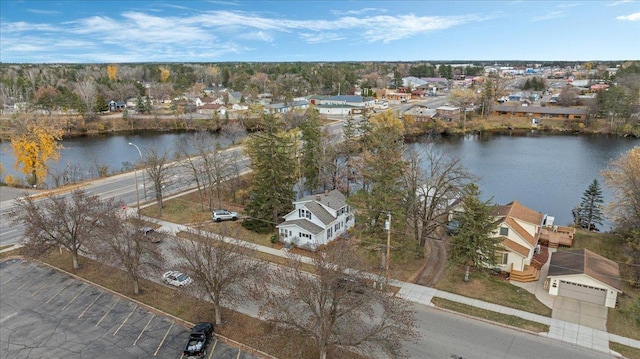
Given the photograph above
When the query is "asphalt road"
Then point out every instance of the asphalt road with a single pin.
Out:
(445, 335)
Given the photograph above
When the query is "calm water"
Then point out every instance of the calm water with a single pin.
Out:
(547, 173)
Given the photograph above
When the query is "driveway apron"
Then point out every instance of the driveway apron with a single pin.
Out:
(579, 312)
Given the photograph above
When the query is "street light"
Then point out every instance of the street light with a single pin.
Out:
(144, 182)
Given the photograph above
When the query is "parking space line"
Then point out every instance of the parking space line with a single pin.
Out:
(74, 298)
(60, 291)
(164, 338)
(125, 320)
(238, 356)
(213, 348)
(39, 289)
(20, 287)
(89, 306)
(105, 314)
(143, 329)
(10, 279)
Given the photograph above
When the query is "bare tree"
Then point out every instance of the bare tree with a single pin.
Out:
(219, 267)
(432, 191)
(60, 221)
(157, 166)
(124, 245)
(337, 311)
(234, 131)
(87, 91)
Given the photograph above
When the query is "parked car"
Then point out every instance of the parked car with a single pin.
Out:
(219, 215)
(199, 340)
(176, 278)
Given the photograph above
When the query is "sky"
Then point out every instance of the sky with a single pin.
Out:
(51, 31)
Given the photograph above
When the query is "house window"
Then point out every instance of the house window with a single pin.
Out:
(303, 213)
(504, 231)
(503, 258)
(329, 233)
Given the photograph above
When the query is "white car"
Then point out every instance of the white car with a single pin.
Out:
(219, 215)
(176, 278)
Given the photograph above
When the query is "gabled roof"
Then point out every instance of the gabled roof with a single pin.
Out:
(540, 109)
(333, 199)
(323, 215)
(304, 224)
(583, 261)
(515, 247)
(516, 210)
(521, 231)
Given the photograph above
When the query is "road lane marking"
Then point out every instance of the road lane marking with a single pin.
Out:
(143, 329)
(163, 339)
(60, 291)
(105, 314)
(89, 306)
(125, 320)
(74, 298)
(213, 348)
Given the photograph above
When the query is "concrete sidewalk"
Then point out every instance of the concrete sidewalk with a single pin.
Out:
(567, 332)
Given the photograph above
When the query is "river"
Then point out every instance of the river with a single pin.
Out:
(547, 173)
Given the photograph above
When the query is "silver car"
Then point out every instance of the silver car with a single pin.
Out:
(219, 215)
(176, 278)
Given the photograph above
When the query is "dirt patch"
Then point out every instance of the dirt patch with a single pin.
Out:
(435, 265)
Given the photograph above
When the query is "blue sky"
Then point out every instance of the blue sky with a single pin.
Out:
(51, 31)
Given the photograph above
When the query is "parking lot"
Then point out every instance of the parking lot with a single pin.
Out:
(47, 314)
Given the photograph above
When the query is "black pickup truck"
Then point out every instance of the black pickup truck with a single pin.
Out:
(199, 340)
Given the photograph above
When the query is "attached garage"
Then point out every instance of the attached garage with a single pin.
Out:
(585, 276)
(583, 292)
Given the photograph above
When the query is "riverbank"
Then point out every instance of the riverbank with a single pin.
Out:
(117, 124)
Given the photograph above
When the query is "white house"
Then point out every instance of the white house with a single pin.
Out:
(519, 228)
(584, 275)
(316, 220)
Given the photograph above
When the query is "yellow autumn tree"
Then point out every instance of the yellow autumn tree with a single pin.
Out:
(164, 74)
(34, 143)
(112, 72)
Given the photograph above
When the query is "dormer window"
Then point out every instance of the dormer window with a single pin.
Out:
(303, 213)
(504, 231)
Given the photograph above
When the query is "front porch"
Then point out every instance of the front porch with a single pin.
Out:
(557, 236)
(529, 274)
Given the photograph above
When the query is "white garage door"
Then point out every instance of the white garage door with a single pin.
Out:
(582, 292)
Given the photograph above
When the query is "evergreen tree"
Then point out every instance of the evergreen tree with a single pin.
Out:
(311, 150)
(273, 161)
(474, 244)
(589, 212)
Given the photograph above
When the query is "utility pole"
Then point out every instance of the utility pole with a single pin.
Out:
(388, 228)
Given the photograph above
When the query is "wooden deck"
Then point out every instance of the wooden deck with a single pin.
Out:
(529, 274)
(557, 236)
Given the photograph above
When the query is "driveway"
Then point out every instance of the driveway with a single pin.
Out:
(579, 312)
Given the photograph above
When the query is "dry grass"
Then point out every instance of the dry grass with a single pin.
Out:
(625, 351)
(492, 316)
(491, 288)
(623, 319)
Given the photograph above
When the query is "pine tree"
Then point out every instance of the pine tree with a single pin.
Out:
(274, 166)
(311, 150)
(474, 245)
(590, 209)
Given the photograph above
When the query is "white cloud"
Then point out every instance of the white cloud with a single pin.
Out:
(630, 17)
(257, 35)
(548, 16)
(358, 12)
(43, 12)
(620, 2)
(316, 38)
